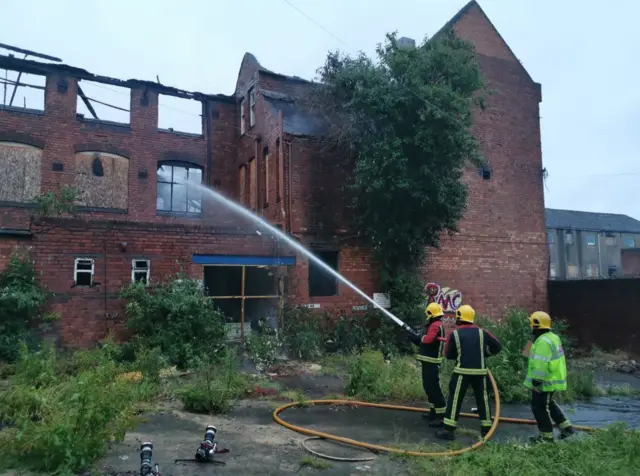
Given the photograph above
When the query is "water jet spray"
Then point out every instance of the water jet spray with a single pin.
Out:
(244, 212)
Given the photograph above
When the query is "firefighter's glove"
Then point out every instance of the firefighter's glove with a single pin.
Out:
(410, 330)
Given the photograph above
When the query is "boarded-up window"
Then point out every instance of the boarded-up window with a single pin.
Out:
(243, 185)
(253, 184)
(266, 175)
(20, 171)
(102, 180)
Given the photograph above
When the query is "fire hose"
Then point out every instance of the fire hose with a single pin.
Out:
(386, 449)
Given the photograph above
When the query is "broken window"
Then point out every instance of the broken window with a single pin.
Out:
(102, 102)
(266, 175)
(179, 115)
(83, 272)
(246, 295)
(243, 184)
(321, 282)
(140, 270)
(252, 107)
(253, 184)
(174, 195)
(243, 106)
(22, 91)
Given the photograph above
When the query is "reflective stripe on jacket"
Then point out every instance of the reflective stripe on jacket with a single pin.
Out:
(469, 346)
(547, 364)
(430, 346)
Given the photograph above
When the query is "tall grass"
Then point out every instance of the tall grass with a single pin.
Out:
(612, 451)
(374, 379)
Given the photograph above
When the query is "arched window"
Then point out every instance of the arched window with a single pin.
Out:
(174, 195)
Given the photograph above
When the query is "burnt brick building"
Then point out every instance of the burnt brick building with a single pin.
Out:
(260, 147)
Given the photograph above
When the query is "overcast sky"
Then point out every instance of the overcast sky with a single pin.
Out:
(585, 58)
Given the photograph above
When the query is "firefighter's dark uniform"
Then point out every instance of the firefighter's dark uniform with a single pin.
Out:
(430, 349)
(469, 346)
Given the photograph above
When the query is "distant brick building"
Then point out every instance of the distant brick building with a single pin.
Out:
(258, 146)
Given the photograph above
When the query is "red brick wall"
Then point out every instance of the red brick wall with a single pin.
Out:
(500, 257)
(61, 134)
(88, 312)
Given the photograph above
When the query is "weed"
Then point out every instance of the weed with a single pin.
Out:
(374, 379)
(264, 347)
(315, 463)
(215, 387)
(61, 423)
(612, 451)
(303, 333)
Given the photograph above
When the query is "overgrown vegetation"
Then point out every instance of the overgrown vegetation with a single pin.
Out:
(215, 386)
(62, 413)
(405, 118)
(57, 203)
(612, 451)
(372, 378)
(176, 317)
(21, 302)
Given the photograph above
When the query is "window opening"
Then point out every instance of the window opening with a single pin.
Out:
(140, 270)
(321, 282)
(101, 102)
(246, 295)
(174, 196)
(179, 115)
(252, 108)
(83, 272)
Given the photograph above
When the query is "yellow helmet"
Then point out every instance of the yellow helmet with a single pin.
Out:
(434, 310)
(465, 313)
(540, 320)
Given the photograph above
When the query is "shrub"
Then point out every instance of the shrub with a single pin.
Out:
(371, 378)
(21, 301)
(264, 346)
(304, 333)
(177, 318)
(215, 386)
(61, 423)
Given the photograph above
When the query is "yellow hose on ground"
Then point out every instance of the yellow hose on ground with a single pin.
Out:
(385, 449)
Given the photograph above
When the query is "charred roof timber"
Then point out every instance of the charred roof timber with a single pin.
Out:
(35, 67)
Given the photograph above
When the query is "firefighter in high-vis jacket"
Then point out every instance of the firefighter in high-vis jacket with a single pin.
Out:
(430, 347)
(469, 346)
(546, 374)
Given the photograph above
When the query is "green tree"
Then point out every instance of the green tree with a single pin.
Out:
(405, 117)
